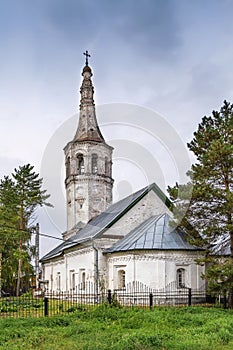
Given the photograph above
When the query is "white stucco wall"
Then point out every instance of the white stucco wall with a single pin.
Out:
(155, 269)
(74, 262)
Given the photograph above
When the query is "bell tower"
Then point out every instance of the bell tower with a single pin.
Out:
(88, 160)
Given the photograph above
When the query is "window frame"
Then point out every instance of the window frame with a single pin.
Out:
(94, 163)
(121, 278)
(180, 277)
(80, 164)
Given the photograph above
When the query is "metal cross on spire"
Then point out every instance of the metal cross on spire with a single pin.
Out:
(87, 55)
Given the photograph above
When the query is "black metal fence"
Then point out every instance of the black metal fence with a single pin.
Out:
(52, 303)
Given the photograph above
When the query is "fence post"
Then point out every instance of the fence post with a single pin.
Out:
(151, 300)
(109, 297)
(190, 297)
(46, 306)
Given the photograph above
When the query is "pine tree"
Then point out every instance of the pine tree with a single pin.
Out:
(204, 206)
(19, 199)
(8, 232)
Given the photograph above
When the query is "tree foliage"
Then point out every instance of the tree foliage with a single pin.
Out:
(204, 206)
(20, 195)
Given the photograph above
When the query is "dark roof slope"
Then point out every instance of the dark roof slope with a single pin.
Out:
(154, 233)
(106, 219)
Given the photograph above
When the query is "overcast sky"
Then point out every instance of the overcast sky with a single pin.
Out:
(173, 57)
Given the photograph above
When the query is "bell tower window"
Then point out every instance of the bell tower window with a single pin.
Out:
(94, 168)
(68, 167)
(80, 164)
(107, 172)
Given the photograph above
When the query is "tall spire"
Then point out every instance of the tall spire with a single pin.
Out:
(88, 160)
(88, 128)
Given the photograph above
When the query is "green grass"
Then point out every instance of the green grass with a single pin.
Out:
(105, 328)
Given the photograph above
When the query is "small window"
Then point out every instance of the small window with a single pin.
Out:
(83, 280)
(58, 281)
(51, 281)
(94, 168)
(80, 164)
(121, 279)
(106, 166)
(69, 197)
(68, 167)
(180, 277)
(80, 201)
(72, 280)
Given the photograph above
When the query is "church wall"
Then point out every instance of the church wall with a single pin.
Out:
(156, 269)
(54, 273)
(75, 268)
(80, 268)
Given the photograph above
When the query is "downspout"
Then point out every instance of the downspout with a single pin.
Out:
(66, 273)
(96, 269)
(134, 268)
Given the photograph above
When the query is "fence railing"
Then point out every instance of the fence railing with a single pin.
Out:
(51, 303)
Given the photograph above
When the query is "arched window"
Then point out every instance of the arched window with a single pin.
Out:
(94, 168)
(180, 278)
(121, 279)
(80, 164)
(110, 168)
(106, 165)
(68, 167)
(69, 197)
(83, 280)
(72, 280)
(58, 281)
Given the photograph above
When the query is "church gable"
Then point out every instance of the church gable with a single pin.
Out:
(153, 202)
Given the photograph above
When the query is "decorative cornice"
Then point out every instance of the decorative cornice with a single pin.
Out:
(81, 251)
(177, 258)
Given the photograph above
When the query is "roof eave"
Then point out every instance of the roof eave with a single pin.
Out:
(153, 249)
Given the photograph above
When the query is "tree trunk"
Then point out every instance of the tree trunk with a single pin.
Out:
(20, 249)
(230, 296)
(19, 270)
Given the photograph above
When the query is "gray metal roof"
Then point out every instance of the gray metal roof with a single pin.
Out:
(105, 220)
(154, 233)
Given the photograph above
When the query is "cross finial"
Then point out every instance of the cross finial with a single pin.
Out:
(87, 55)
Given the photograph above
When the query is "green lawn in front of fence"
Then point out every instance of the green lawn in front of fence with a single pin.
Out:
(17, 307)
(106, 328)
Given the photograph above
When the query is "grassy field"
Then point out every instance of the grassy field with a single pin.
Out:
(105, 328)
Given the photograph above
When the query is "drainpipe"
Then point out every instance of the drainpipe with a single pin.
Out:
(66, 274)
(96, 269)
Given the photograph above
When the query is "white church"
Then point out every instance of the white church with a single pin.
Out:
(115, 245)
